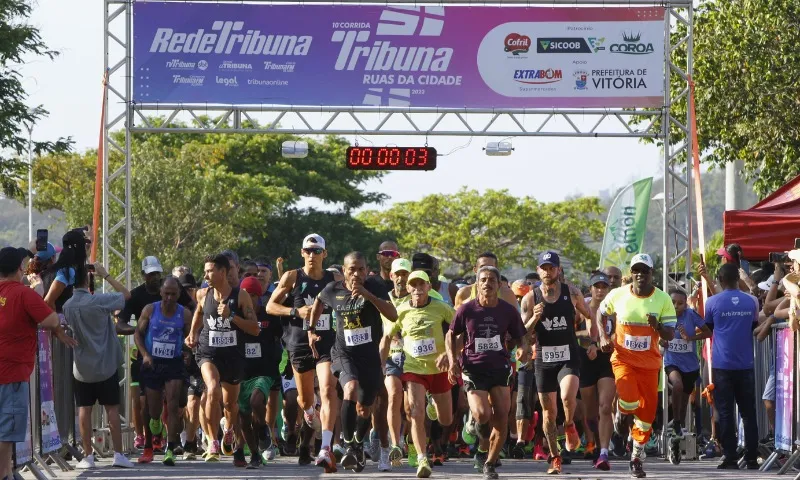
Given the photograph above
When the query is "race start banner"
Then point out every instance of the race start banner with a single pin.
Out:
(353, 55)
(50, 438)
(626, 225)
(784, 389)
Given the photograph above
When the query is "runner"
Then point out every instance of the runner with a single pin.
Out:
(387, 253)
(682, 365)
(422, 322)
(644, 314)
(223, 314)
(392, 352)
(159, 337)
(549, 310)
(260, 371)
(486, 322)
(301, 287)
(358, 302)
(470, 292)
(597, 376)
(195, 398)
(614, 275)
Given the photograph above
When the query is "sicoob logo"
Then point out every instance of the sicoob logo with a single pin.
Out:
(516, 43)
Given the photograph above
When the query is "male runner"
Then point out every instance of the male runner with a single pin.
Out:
(301, 287)
(644, 314)
(260, 371)
(358, 302)
(387, 253)
(614, 275)
(422, 322)
(470, 292)
(222, 314)
(682, 365)
(393, 357)
(159, 337)
(549, 310)
(485, 360)
(597, 376)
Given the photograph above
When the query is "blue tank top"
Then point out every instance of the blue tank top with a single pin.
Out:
(164, 338)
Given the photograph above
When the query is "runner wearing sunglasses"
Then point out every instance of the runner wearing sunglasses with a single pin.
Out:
(387, 253)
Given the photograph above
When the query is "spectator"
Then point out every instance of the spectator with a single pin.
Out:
(733, 315)
(59, 280)
(189, 284)
(791, 283)
(21, 312)
(249, 269)
(97, 356)
(265, 278)
(41, 261)
(181, 270)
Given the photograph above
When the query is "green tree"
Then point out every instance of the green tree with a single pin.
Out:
(457, 228)
(746, 65)
(17, 40)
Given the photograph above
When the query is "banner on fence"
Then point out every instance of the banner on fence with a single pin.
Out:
(50, 438)
(784, 389)
(420, 56)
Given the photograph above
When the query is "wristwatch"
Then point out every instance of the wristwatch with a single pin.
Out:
(293, 312)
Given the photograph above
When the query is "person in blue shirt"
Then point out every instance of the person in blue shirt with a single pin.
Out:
(680, 358)
(733, 315)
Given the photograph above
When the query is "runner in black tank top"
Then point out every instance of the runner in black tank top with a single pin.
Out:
(557, 350)
(295, 335)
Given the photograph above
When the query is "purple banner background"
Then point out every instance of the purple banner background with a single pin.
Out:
(784, 389)
(484, 69)
(50, 438)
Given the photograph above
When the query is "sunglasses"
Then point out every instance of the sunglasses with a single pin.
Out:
(389, 253)
(641, 270)
(316, 251)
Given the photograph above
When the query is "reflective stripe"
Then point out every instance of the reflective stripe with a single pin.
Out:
(645, 427)
(629, 406)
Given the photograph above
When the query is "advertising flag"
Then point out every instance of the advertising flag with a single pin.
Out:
(626, 225)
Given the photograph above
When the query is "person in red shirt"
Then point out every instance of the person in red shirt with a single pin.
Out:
(22, 311)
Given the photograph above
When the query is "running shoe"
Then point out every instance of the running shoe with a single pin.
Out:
(326, 460)
(752, 465)
(651, 447)
(555, 466)
(590, 453)
(227, 442)
(618, 447)
(566, 458)
(396, 456)
(637, 469)
(384, 464)
(480, 460)
(313, 421)
(239, 460)
(270, 453)
(147, 456)
(430, 409)
(464, 451)
(189, 455)
(602, 463)
(412, 455)
(424, 468)
(178, 450)
(438, 459)
(158, 443)
(304, 455)
(338, 452)
(728, 465)
(121, 461)
(87, 463)
(213, 452)
(469, 433)
(290, 447)
(169, 458)
(362, 461)
(138, 442)
(350, 458)
(573, 441)
(674, 454)
(255, 462)
(539, 453)
(489, 472)
(518, 452)
(374, 450)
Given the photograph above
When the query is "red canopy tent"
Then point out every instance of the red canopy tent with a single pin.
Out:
(770, 226)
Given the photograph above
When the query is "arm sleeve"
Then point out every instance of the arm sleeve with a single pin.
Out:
(34, 306)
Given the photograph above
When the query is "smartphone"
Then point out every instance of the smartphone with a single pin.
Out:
(797, 243)
(41, 240)
(702, 260)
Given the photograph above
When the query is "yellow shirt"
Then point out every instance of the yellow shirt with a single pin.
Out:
(423, 334)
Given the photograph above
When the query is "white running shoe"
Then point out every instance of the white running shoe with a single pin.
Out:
(384, 465)
(121, 461)
(86, 464)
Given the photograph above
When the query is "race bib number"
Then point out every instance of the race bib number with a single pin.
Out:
(357, 336)
(488, 344)
(163, 350)
(222, 339)
(555, 354)
(679, 345)
(423, 347)
(324, 322)
(397, 358)
(252, 350)
(637, 344)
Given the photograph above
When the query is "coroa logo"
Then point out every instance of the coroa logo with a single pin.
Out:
(516, 43)
(632, 45)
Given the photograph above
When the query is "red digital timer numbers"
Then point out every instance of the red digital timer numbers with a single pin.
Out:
(391, 158)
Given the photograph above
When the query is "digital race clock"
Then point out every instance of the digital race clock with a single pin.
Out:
(391, 158)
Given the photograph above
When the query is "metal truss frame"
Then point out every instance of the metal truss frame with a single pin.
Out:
(657, 124)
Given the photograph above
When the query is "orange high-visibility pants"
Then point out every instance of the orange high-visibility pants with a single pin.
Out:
(637, 390)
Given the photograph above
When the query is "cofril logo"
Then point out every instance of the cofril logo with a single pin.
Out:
(516, 43)
(632, 45)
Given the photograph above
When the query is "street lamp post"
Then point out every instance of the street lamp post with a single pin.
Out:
(29, 127)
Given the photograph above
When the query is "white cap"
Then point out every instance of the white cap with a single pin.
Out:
(642, 258)
(794, 254)
(150, 265)
(768, 283)
(314, 241)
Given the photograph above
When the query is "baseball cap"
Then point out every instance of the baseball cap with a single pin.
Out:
(598, 278)
(520, 288)
(418, 274)
(48, 253)
(549, 258)
(251, 286)
(151, 264)
(187, 280)
(314, 241)
(794, 254)
(11, 258)
(422, 261)
(723, 252)
(642, 258)
(767, 284)
(401, 264)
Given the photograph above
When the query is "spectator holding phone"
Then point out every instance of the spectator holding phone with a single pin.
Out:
(791, 283)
